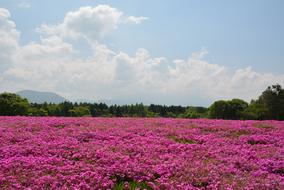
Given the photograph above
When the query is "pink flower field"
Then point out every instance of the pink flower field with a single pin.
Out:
(138, 153)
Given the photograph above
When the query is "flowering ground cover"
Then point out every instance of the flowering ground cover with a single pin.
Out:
(136, 153)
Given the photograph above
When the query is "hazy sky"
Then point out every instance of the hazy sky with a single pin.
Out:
(167, 52)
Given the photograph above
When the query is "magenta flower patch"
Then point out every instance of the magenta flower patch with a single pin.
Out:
(135, 153)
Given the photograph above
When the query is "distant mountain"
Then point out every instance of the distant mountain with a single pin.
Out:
(41, 97)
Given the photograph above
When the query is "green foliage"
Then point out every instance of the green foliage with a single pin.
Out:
(37, 112)
(232, 109)
(79, 111)
(195, 112)
(182, 140)
(150, 113)
(219, 110)
(132, 185)
(53, 109)
(237, 107)
(65, 108)
(269, 105)
(263, 126)
(96, 109)
(12, 104)
(166, 111)
(255, 111)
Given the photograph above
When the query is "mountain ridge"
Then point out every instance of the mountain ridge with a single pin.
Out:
(41, 96)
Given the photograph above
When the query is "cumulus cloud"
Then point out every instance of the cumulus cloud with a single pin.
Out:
(9, 37)
(53, 64)
(91, 23)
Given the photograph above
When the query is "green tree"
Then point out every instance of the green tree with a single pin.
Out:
(219, 110)
(195, 112)
(65, 108)
(53, 110)
(231, 109)
(237, 108)
(271, 103)
(255, 111)
(13, 104)
(80, 111)
(37, 112)
(118, 112)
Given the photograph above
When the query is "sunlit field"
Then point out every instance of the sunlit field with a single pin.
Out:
(137, 153)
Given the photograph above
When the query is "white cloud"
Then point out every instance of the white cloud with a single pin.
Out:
(135, 20)
(53, 64)
(24, 4)
(5, 13)
(9, 37)
(91, 23)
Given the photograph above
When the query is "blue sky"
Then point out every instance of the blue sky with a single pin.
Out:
(236, 35)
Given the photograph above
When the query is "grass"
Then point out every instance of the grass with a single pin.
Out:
(263, 125)
(182, 140)
(132, 185)
(238, 133)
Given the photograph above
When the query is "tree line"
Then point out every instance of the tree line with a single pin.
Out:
(269, 105)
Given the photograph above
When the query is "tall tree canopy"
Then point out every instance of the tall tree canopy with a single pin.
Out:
(272, 102)
(232, 109)
(12, 104)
